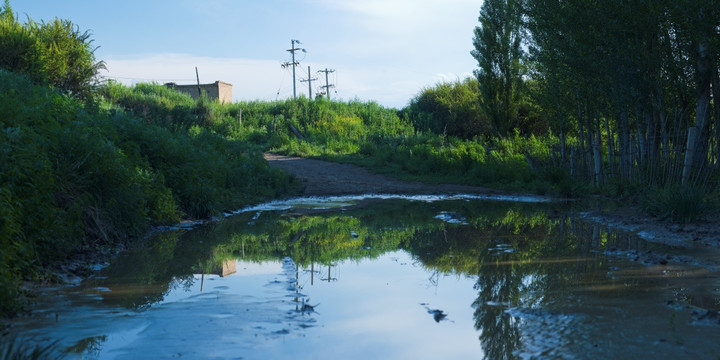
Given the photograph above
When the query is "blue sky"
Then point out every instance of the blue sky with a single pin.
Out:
(381, 50)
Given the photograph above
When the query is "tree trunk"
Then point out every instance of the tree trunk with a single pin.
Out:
(689, 154)
(716, 114)
(640, 116)
(573, 151)
(624, 139)
(702, 114)
(597, 154)
(562, 146)
(650, 138)
(581, 134)
(610, 148)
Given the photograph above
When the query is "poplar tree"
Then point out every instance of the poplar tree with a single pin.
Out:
(644, 79)
(499, 55)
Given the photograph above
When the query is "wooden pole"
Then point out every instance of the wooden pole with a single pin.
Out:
(197, 76)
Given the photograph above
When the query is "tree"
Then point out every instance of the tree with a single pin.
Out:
(644, 79)
(499, 55)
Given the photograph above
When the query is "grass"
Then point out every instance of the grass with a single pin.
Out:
(680, 203)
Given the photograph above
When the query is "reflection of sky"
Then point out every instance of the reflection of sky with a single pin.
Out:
(375, 309)
(379, 309)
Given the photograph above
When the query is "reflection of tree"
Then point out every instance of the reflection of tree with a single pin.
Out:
(545, 264)
(171, 259)
(550, 254)
(498, 285)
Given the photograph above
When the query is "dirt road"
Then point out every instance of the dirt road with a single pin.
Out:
(326, 178)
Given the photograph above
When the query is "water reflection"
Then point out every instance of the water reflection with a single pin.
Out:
(542, 282)
(498, 287)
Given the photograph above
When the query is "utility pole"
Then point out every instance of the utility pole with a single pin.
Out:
(197, 76)
(294, 63)
(327, 86)
(309, 81)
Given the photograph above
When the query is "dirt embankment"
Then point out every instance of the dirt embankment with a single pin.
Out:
(322, 178)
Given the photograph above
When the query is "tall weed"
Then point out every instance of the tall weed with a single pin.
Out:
(679, 203)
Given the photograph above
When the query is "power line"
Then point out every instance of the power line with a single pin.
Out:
(280, 86)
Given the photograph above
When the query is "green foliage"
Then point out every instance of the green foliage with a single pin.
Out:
(361, 133)
(55, 53)
(76, 178)
(499, 55)
(449, 108)
(636, 82)
(154, 103)
(682, 204)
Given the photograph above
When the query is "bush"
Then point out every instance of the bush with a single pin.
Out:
(449, 108)
(56, 53)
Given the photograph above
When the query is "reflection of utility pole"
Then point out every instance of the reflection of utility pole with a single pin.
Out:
(309, 81)
(327, 86)
(329, 278)
(297, 286)
(294, 63)
(435, 280)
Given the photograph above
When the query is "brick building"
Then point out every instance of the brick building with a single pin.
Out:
(218, 90)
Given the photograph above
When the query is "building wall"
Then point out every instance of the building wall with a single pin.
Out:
(218, 90)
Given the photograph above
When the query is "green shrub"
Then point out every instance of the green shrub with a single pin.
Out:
(56, 53)
(449, 108)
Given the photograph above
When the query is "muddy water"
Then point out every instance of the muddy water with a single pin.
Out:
(389, 277)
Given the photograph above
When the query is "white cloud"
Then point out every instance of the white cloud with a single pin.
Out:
(382, 50)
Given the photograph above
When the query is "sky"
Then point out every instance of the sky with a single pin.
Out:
(385, 51)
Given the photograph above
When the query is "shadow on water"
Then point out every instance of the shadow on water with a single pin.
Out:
(545, 284)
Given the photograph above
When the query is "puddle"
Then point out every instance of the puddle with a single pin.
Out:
(422, 277)
(329, 202)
